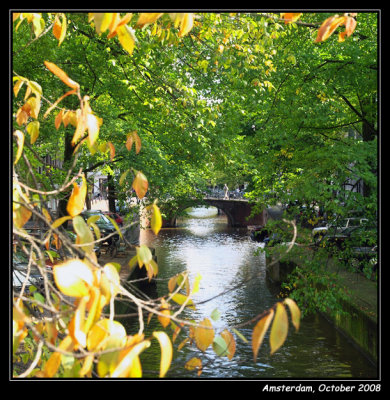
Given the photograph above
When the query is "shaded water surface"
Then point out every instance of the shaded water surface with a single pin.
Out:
(226, 258)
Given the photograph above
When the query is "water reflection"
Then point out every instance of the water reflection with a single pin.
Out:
(225, 258)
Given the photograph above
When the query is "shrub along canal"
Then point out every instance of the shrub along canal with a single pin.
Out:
(224, 257)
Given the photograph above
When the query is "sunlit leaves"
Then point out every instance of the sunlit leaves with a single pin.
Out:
(129, 365)
(54, 361)
(36, 20)
(183, 299)
(104, 335)
(76, 201)
(59, 28)
(140, 184)
(147, 18)
(61, 74)
(279, 329)
(73, 277)
(20, 143)
(116, 26)
(185, 20)
(84, 234)
(126, 38)
(332, 23)
(110, 281)
(144, 257)
(166, 352)
(33, 129)
(290, 17)
(133, 137)
(156, 220)
(21, 214)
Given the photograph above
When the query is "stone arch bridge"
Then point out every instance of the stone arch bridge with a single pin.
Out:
(238, 212)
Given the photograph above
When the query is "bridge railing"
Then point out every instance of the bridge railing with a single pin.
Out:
(220, 194)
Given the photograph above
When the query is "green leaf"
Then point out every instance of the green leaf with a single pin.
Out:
(84, 234)
(220, 347)
(215, 315)
(144, 255)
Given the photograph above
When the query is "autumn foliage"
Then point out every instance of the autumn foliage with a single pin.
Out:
(81, 288)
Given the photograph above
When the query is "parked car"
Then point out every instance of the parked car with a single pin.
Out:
(20, 271)
(338, 231)
(115, 216)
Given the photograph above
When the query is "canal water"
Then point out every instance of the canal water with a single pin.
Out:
(226, 259)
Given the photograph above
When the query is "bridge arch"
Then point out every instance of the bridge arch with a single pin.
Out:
(238, 211)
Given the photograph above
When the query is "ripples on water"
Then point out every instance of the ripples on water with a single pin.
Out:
(225, 257)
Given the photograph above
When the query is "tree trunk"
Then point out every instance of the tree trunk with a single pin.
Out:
(68, 154)
(111, 193)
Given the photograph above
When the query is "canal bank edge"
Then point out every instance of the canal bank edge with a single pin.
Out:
(359, 320)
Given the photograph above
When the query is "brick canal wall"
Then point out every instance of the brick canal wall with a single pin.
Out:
(358, 321)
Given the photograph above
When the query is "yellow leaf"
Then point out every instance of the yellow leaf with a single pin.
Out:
(156, 220)
(17, 86)
(164, 321)
(63, 30)
(52, 364)
(230, 342)
(186, 24)
(332, 23)
(20, 142)
(112, 150)
(194, 363)
(93, 125)
(73, 277)
(87, 366)
(61, 74)
(77, 199)
(166, 352)
(295, 312)
(102, 21)
(279, 328)
(115, 226)
(21, 214)
(33, 129)
(133, 137)
(147, 18)
(54, 361)
(144, 255)
(60, 221)
(126, 38)
(123, 177)
(140, 184)
(48, 111)
(76, 325)
(290, 17)
(259, 331)
(130, 361)
(84, 234)
(35, 105)
(110, 281)
(57, 28)
(58, 119)
(204, 334)
(181, 298)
